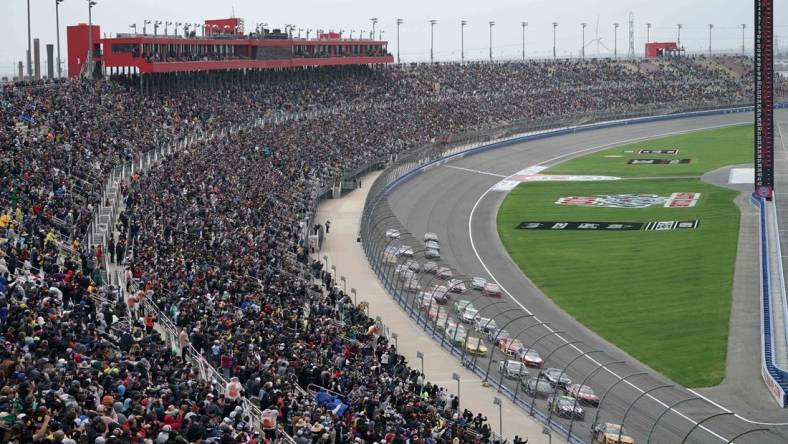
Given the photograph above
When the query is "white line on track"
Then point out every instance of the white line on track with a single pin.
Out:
(474, 171)
(560, 337)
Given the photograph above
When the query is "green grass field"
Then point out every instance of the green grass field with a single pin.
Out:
(662, 296)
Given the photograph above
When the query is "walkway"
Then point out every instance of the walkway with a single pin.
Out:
(346, 254)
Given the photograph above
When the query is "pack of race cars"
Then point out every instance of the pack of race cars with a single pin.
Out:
(467, 328)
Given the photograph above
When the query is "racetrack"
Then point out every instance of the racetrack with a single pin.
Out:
(454, 201)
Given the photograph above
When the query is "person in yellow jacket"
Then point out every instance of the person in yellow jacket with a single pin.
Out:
(5, 219)
(51, 236)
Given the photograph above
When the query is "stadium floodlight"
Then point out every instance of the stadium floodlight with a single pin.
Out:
(432, 40)
(524, 25)
(743, 26)
(711, 26)
(648, 32)
(399, 22)
(615, 40)
(134, 27)
(156, 25)
(145, 24)
(555, 25)
(91, 4)
(463, 24)
(167, 27)
(678, 40)
(492, 23)
(300, 30)
(374, 21)
(583, 46)
(57, 31)
(176, 27)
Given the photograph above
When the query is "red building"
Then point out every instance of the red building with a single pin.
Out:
(660, 49)
(222, 47)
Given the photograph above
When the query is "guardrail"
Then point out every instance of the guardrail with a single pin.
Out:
(774, 377)
(423, 161)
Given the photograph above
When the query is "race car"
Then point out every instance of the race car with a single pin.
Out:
(584, 394)
(475, 346)
(430, 236)
(444, 273)
(456, 334)
(492, 289)
(512, 369)
(412, 285)
(565, 407)
(556, 377)
(469, 314)
(481, 324)
(426, 301)
(405, 251)
(461, 304)
(530, 357)
(456, 286)
(436, 311)
(430, 267)
(431, 253)
(536, 387)
(439, 292)
(609, 433)
(510, 347)
(494, 335)
(413, 266)
(478, 283)
(390, 254)
(432, 245)
(392, 233)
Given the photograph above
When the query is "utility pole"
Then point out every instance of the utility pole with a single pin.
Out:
(615, 40)
(711, 26)
(57, 28)
(432, 40)
(678, 40)
(555, 25)
(29, 54)
(743, 26)
(399, 22)
(583, 47)
(524, 25)
(491, 27)
(463, 23)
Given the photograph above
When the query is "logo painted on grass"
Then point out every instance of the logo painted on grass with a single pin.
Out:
(675, 200)
(666, 225)
(657, 161)
(673, 151)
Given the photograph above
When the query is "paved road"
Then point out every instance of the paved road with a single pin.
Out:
(453, 201)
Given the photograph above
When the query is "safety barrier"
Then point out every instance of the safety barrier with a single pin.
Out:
(775, 378)
(418, 163)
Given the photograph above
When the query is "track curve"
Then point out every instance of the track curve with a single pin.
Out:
(454, 201)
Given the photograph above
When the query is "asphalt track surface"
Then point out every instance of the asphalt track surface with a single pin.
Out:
(455, 202)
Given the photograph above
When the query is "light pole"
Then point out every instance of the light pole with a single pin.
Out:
(711, 26)
(583, 47)
(145, 24)
(432, 40)
(648, 32)
(463, 23)
(399, 22)
(91, 4)
(57, 30)
(524, 25)
(156, 25)
(374, 21)
(456, 377)
(420, 356)
(167, 27)
(134, 27)
(29, 57)
(351, 33)
(555, 25)
(497, 401)
(615, 40)
(743, 26)
(491, 27)
(678, 39)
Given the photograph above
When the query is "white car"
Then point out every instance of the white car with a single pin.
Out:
(513, 369)
(426, 301)
(412, 285)
(408, 275)
(469, 314)
(431, 237)
(478, 283)
(444, 273)
(405, 251)
(439, 292)
(496, 334)
(432, 253)
(392, 233)
(430, 267)
(432, 245)
(456, 286)
(483, 325)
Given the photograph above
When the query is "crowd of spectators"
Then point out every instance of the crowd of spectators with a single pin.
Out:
(217, 244)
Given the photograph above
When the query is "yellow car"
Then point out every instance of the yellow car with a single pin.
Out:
(609, 433)
(475, 346)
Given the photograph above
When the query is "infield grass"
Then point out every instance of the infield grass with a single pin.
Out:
(662, 296)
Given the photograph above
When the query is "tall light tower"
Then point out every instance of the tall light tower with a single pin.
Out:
(29, 54)
(631, 54)
(743, 26)
(399, 22)
(145, 24)
(711, 26)
(524, 25)
(91, 4)
(648, 32)
(678, 40)
(615, 40)
(491, 27)
(374, 21)
(555, 25)
(57, 30)
(583, 47)
(432, 40)
(463, 23)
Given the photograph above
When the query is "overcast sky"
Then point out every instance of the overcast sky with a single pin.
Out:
(116, 15)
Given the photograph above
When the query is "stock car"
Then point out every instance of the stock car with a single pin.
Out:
(537, 387)
(405, 274)
(432, 253)
(584, 394)
(495, 335)
(530, 357)
(510, 347)
(412, 285)
(566, 407)
(512, 369)
(430, 236)
(461, 304)
(430, 267)
(556, 377)
(444, 273)
(456, 286)
(492, 289)
(609, 433)
(426, 301)
(414, 266)
(439, 292)
(456, 333)
(478, 283)
(469, 314)
(392, 233)
(390, 254)
(432, 245)
(405, 251)
(436, 311)
(475, 346)
(482, 325)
